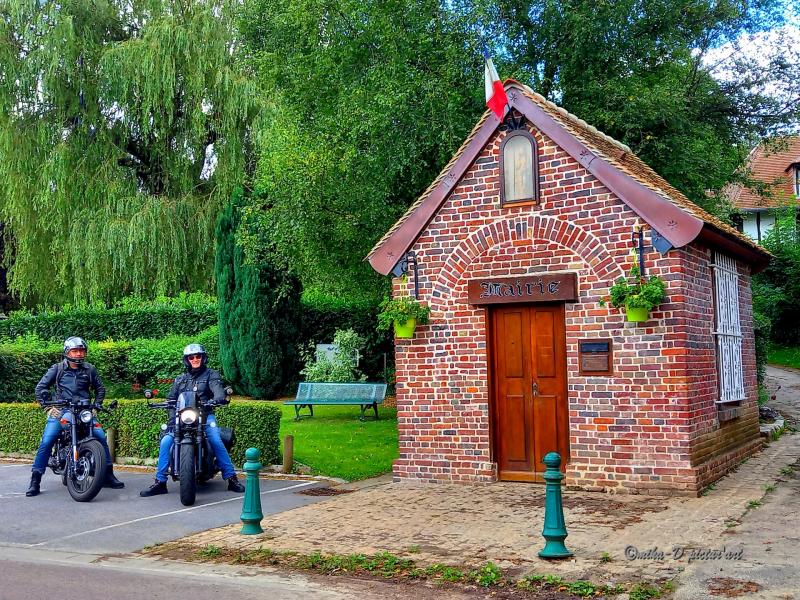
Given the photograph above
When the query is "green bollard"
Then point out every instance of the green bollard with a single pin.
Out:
(251, 511)
(555, 531)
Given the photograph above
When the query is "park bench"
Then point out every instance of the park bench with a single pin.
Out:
(365, 395)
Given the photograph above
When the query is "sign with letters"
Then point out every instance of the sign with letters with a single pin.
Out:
(547, 287)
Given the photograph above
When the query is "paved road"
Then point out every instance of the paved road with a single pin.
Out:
(31, 573)
(119, 520)
(769, 534)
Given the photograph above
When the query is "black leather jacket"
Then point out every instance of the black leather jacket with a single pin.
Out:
(74, 383)
(206, 382)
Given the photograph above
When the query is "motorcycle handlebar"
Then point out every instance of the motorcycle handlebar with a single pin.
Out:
(93, 406)
(161, 404)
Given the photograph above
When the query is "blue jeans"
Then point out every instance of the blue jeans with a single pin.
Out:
(51, 431)
(214, 439)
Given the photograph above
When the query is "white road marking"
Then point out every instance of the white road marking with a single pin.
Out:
(11, 466)
(166, 514)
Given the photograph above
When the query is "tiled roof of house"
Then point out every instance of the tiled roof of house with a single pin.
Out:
(612, 151)
(772, 166)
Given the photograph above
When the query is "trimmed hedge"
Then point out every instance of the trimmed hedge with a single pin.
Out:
(257, 425)
(131, 318)
(24, 360)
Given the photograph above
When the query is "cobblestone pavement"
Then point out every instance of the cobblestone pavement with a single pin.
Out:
(502, 522)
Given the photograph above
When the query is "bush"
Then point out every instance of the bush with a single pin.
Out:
(341, 367)
(24, 360)
(131, 318)
(323, 315)
(762, 329)
(776, 290)
(257, 425)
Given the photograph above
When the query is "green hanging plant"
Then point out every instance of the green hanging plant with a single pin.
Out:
(642, 293)
(400, 310)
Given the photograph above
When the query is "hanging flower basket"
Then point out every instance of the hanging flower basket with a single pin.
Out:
(403, 313)
(636, 314)
(405, 330)
(637, 298)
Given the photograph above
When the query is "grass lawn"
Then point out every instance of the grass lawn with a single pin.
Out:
(335, 443)
(783, 355)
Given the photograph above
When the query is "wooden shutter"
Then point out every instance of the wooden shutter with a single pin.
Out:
(728, 329)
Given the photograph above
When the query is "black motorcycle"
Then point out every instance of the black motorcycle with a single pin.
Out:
(192, 461)
(78, 456)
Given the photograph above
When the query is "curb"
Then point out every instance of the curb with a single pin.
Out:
(27, 459)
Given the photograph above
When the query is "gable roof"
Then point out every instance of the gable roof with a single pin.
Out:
(668, 211)
(772, 168)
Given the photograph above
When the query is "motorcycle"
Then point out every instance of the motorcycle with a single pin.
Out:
(78, 456)
(192, 461)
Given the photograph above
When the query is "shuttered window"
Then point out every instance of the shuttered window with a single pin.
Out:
(728, 329)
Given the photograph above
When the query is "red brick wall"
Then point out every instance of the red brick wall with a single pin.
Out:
(634, 431)
(717, 447)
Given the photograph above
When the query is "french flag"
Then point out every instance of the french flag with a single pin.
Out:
(496, 98)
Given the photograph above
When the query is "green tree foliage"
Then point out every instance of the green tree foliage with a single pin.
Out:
(652, 74)
(122, 133)
(258, 315)
(371, 98)
(776, 290)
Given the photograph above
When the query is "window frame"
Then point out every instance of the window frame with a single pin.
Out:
(534, 167)
(725, 276)
(797, 180)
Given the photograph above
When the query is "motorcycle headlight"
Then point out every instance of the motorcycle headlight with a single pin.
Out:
(188, 416)
(86, 416)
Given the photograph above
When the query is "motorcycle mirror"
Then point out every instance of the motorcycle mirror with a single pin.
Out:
(148, 394)
(229, 391)
(113, 404)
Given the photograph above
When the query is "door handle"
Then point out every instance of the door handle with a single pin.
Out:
(534, 388)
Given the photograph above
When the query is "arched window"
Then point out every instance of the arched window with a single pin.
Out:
(519, 168)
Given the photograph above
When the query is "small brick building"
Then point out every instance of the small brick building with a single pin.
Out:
(512, 247)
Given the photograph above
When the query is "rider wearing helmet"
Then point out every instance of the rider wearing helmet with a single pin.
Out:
(72, 377)
(208, 385)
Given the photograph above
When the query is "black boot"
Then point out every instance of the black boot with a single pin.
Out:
(111, 479)
(33, 488)
(234, 485)
(158, 488)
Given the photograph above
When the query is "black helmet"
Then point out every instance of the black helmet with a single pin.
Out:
(194, 349)
(72, 343)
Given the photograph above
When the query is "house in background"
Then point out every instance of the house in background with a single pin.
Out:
(780, 172)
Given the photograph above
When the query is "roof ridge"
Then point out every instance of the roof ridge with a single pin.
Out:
(574, 118)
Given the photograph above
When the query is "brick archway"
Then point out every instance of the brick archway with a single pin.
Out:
(522, 228)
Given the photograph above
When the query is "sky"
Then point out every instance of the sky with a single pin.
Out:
(760, 46)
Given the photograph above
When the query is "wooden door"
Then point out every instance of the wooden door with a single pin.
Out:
(529, 388)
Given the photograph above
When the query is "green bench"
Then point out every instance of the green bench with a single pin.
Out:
(365, 395)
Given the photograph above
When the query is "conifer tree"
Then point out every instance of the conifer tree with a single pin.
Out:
(258, 315)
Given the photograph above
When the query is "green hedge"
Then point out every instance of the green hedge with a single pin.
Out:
(145, 362)
(257, 425)
(131, 318)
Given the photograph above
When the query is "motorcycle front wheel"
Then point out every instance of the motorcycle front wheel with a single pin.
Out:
(86, 479)
(188, 475)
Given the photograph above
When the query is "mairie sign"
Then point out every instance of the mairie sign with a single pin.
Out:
(547, 287)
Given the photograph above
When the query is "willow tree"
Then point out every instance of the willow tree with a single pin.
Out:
(123, 130)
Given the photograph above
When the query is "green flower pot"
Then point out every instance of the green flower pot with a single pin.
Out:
(636, 315)
(405, 330)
